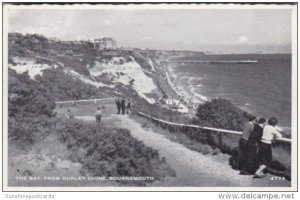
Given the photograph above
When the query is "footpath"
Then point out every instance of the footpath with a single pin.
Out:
(193, 169)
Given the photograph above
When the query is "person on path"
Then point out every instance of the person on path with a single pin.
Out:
(128, 107)
(243, 150)
(69, 114)
(265, 148)
(123, 106)
(118, 104)
(251, 164)
(98, 115)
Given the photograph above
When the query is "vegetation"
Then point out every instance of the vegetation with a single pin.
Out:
(221, 113)
(111, 152)
(64, 87)
(27, 97)
(30, 108)
(26, 45)
(103, 152)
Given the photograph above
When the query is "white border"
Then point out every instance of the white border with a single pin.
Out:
(293, 187)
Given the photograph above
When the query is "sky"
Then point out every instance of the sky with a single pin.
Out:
(217, 30)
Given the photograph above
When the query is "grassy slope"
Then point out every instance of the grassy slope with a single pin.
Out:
(115, 152)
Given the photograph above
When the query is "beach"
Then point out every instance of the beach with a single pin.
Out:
(262, 88)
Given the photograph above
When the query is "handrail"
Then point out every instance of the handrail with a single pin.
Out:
(83, 100)
(287, 140)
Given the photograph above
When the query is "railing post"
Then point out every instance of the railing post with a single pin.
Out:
(220, 137)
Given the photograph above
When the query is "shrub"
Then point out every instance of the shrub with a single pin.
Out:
(64, 87)
(112, 152)
(26, 97)
(221, 113)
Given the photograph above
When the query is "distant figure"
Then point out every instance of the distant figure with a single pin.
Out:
(265, 148)
(118, 103)
(98, 115)
(243, 150)
(251, 164)
(128, 107)
(69, 114)
(123, 106)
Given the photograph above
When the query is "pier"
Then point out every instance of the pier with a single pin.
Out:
(213, 61)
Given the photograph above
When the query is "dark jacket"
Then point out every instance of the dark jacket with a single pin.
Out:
(123, 103)
(118, 103)
(256, 134)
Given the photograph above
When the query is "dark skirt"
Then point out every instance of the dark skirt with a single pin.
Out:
(243, 153)
(251, 164)
(265, 154)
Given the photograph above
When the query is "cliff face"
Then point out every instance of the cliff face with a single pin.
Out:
(65, 66)
(75, 70)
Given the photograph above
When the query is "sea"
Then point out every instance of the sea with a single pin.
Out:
(257, 83)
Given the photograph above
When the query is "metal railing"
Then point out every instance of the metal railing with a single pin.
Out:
(219, 131)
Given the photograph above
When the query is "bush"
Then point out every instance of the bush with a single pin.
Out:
(111, 152)
(221, 113)
(64, 87)
(27, 97)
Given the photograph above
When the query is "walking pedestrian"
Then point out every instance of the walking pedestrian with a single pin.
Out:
(69, 114)
(98, 115)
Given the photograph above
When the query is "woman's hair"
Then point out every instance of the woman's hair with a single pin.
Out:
(273, 121)
(251, 118)
(261, 120)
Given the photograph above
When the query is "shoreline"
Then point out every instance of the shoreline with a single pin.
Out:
(188, 97)
(179, 92)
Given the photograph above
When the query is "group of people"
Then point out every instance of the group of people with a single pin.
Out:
(255, 150)
(123, 106)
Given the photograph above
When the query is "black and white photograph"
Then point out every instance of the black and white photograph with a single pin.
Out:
(150, 97)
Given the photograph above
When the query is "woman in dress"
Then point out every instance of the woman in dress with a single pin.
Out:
(251, 164)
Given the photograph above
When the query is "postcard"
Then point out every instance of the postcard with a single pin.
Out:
(150, 97)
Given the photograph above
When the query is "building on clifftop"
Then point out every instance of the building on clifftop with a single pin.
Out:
(105, 43)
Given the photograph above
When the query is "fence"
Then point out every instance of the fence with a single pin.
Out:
(219, 131)
(84, 100)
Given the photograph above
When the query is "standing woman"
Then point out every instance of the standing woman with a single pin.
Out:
(243, 148)
(265, 148)
(251, 164)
